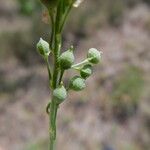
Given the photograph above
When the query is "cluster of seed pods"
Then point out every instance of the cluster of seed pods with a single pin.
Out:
(66, 62)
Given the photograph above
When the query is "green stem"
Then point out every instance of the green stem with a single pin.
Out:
(57, 25)
(61, 76)
(57, 45)
(52, 124)
(49, 70)
(56, 62)
(53, 108)
(80, 64)
(52, 32)
(65, 16)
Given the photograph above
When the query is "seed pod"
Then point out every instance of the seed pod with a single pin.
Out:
(77, 83)
(60, 94)
(50, 4)
(66, 59)
(86, 71)
(94, 56)
(43, 48)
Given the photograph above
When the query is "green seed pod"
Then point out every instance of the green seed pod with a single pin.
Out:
(94, 56)
(66, 59)
(77, 83)
(43, 48)
(60, 94)
(86, 71)
(50, 4)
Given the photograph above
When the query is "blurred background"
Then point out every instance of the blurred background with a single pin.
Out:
(112, 113)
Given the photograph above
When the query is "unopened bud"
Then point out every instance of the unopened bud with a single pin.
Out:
(66, 59)
(86, 71)
(94, 56)
(77, 83)
(60, 94)
(43, 48)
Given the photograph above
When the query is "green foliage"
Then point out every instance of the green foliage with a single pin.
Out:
(127, 91)
(147, 25)
(20, 47)
(41, 145)
(115, 12)
(27, 7)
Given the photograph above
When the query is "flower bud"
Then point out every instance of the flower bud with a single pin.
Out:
(66, 59)
(43, 48)
(77, 83)
(86, 71)
(94, 56)
(60, 94)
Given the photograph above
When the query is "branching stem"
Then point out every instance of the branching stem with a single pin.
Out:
(58, 19)
(76, 66)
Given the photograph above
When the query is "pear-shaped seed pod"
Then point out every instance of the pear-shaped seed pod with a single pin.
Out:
(77, 83)
(86, 71)
(60, 94)
(66, 59)
(94, 56)
(43, 47)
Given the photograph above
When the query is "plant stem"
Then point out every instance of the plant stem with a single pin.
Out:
(61, 76)
(49, 70)
(56, 62)
(52, 32)
(80, 64)
(65, 16)
(55, 43)
(52, 124)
